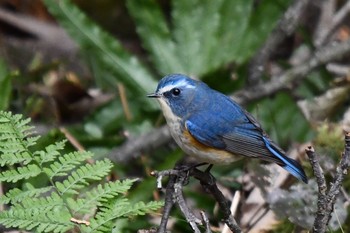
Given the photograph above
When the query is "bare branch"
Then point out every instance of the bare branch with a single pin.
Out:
(209, 183)
(285, 27)
(327, 198)
(338, 18)
(179, 198)
(320, 57)
(177, 179)
(144, 143)
(327, 10)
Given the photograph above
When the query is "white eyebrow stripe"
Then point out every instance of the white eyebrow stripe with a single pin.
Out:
(179, 84)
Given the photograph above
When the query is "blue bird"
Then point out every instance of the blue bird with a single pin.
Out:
(213, 128)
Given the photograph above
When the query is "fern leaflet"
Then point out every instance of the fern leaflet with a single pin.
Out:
(98, 195)
(31, 170)
(16, 195)
(117, 209)
(45, 204)
(66, 163)
(50, 153)
(78, 179)
(53, 221)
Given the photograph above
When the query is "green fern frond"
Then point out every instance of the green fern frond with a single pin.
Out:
(98, 195)
(15, 139)
(20, 173)
(51, 152)
(45, 204)
(78, 179)
(18, 127)
(50, 208)
(10, 157)
(53, 221)
(141, 208)
(16, 195)
(119, 208)
(102, 222)
(66, 163)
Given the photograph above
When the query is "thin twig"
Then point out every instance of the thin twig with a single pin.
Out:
(179, 198)
(178, 177)
(320, 57)
(285, 27)
(233, 208)
(318, 172)
(209, 183)
(134, 147)
(338, 18)
(205, 222)
(327, 198)
(124, 102)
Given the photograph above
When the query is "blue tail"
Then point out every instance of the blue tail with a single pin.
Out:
(292, 166)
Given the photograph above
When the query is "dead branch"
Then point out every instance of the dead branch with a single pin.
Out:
(178, 177)
(328, 196)
(285, 27)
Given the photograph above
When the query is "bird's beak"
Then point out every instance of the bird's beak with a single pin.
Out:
(154, 95)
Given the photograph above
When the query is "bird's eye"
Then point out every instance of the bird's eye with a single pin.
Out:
(175, 91)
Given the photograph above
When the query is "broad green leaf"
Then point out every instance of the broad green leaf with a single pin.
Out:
(5, 84)
(278, 116)
(262, 20)
(105, 50)
(195, 27)
(156, 36)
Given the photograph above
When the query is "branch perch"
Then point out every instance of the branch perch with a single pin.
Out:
(327, 197)
(178, 177)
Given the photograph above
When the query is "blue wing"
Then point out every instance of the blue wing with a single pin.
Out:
(229, 127)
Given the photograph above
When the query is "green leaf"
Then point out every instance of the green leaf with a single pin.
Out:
(15, 133)
(156, 36)
(99, 195)
(79, 178)
(44, 204)
(52, 221)
(195, 31)
(117, 209)
(261, 22)
(105, 50)
(51, 152)
(10, 157)
(66, 163)
(278, 124)
(234, 20)
(20, 173)
(17, 195)
(6, 86)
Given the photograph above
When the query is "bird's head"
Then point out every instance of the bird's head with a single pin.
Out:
(176, 92)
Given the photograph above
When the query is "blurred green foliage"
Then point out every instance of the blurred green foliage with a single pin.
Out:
(5, 84)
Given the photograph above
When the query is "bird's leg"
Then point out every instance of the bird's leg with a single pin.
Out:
(207, 170)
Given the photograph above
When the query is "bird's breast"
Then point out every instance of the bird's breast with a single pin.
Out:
(189, 144)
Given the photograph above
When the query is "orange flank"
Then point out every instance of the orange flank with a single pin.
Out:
(206, 153)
